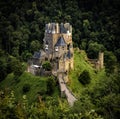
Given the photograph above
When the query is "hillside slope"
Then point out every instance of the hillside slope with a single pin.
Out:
(35, 85)
(81, 64)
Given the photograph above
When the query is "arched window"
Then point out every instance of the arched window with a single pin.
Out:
(56, 48)
(46, 45)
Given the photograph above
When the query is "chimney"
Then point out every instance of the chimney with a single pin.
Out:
(57, 28)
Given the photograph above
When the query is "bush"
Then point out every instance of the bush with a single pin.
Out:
(51, 85)
(47, 66)
(26, 88)
(84, 77)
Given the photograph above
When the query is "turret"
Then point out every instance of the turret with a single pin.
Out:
(101, 59)
(57, 28)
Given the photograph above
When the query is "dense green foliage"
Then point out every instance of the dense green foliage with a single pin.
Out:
(106, 96)
(22, 23)
(84, 77)
(99, 97)
(26, 88)
(10, 64)
(52, 108)
(96, 26)
(101, 94)
(51, 85)
(47, 66)
(26, 84)
(80, 64)
(110, 62)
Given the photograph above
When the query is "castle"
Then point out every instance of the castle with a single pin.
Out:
(57, 48)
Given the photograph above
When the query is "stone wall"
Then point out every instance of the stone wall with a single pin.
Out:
(98, 63)
(60, 59)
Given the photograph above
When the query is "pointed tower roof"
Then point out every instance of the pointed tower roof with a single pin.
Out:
(69, 54)
(36, 55)
(61, 42)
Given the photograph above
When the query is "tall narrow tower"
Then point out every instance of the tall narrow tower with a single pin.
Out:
(101, 59)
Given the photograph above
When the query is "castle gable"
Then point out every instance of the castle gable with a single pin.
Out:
(57, 47)
(61, 42)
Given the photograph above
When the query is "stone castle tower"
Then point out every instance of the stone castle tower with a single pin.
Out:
(101, 60)
(58, 46)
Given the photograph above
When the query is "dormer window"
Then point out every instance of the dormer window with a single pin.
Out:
(56, 48)
(68, 46)
(53, 32)
(63, 47)
(46, 46)
(68, 32)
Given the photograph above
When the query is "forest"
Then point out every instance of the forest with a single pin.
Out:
(95, 27)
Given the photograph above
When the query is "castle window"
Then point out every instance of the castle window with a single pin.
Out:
(68, 32)
(57, 58)
(56, 49)
(46, 46)
(46, 59)
(68, 46)
(63, 47)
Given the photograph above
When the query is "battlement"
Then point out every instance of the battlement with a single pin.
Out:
(54, 28)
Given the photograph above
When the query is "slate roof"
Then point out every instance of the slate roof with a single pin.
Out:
(69, 55)
(61, 42)
(37, 55)
(62, 28)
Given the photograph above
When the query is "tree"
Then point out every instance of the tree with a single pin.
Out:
(110, 62)
(47, 66)
(26, 88)
(84, 77)
(117, 53)
(15, 66)
(9, 107)
(93, 49)
(86, 27)
(105, 96)
(26, 55)
(3, 69)
(34, 45)
(50, 85)
(3, 65)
